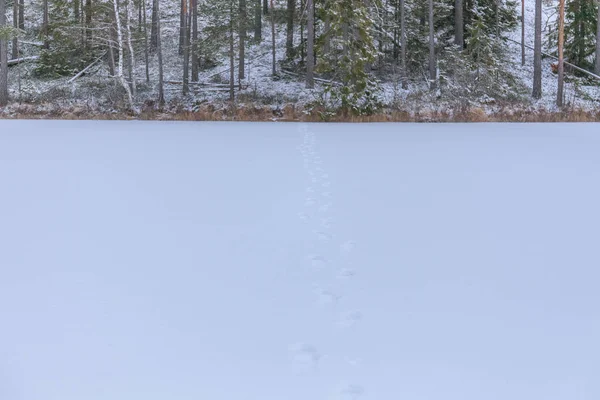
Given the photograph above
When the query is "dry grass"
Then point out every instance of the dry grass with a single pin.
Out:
(292, 112)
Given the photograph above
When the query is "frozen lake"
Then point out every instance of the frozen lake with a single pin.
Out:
(237, 261)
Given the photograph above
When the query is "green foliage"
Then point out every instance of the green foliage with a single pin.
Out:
(352, 51)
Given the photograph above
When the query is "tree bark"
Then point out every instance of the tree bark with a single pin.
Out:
(265, 7)
(432, 63)
(257, 21)
(403, 44)
(3, 58)
(522, 32)
(88, 23)
(459, 35)
(310, 43)
(537, 56)
(231, 58)
(21, 14)
(242, 39)
(15, 44)
(154, 28)
(182, 14)
(45, 23)
(561, 63)
(161, 85)
(146, 57)
(131, 65)
(289, 42)
(597, 64)
(120, 74)
(273, 37)
(186, 51)
(195, 50)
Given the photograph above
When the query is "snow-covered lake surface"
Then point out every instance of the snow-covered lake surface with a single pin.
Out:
(232, 261)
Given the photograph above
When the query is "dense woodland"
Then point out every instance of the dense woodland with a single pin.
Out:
(344, 51)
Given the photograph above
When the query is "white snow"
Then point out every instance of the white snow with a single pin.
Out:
(177, 261)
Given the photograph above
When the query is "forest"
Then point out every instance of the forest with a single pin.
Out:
(278, 59)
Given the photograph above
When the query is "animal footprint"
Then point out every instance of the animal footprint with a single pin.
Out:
(305, 356)
(323, 236)
(346, 273)
(347, 246)
(326, 296)
(351, 392)
(325, 207)
(317, 262)
(351, 318)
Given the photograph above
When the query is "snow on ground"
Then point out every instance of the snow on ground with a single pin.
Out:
(298, 261)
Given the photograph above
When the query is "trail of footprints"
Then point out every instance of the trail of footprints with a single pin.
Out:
(317, 205)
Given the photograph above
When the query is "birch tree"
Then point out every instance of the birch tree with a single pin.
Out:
(120, 46)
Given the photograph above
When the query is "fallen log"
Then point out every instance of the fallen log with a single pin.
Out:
(22, 59)
(85, 69)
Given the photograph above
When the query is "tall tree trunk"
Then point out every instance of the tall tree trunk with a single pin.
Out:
(88, 23)
(45, 25)
(289, 42)
(403, 44)
(186, 53)
(265, 7)
(120, 73)
(537, 55)
(561, 63)
(154, 27)
(273, 37)
(257, 21)
(146, 58)
(522, 32)
(131, 65)
(432, 63)
(310, 42)
(231, 58)
(182, 16)
(3, 58)
(242, 39)
(195, 50)
(161, 85)
(15, 41)
(597, 64)
(21, 14)
(459, 35)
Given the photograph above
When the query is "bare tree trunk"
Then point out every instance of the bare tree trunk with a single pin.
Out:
(45, 23)
(76, 10)
(459, 35)
(195, 59)
(161, 85)
(15, 44)
(242, 39)
(265, 7)
(561, 64)
(273, 37)
(3, 58)
(522, 32)
(146, 58)
(537, 56)
(154, 28)
(231, 58)
(131, 66)
(289, 42)
(88, 23)
(182, 14)
(310, 42)
(21, 14)
(120, 74)
(403, 44)
(432, 63)
(186, 53)
(597, 64)
(257, 21)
